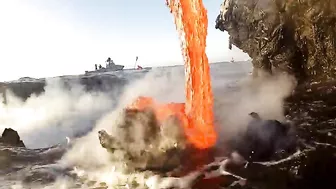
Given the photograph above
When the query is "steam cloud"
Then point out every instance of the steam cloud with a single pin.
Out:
(264, 95)
(49, 118)
(46, 120)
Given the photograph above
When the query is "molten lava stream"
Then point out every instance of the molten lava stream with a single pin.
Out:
(192, 23)
(196, 114)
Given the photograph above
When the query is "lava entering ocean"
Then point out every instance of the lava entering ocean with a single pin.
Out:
(196, 115)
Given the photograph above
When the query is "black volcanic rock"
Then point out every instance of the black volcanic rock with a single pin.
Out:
(296, 36)
(11, 137)
(263, 139)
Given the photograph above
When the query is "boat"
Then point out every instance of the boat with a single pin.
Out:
(110, 67)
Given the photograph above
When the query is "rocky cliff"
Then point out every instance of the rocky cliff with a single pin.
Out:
(296, 36)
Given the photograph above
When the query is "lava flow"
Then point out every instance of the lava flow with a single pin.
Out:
(196, 115)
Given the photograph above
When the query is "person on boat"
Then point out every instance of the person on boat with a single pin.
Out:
(96, 67)
(100, 66)
(108, 60)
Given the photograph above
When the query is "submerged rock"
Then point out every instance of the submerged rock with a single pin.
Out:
(293, 36)
(11, 137)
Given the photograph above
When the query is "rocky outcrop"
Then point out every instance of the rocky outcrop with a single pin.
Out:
(296, 36)
(265, 139)
(11, 137)
(142, 143)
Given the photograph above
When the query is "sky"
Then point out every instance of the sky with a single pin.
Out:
(46, 38)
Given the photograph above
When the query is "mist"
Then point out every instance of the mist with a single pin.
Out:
(46, 120)
(163, 86)
(264, 95)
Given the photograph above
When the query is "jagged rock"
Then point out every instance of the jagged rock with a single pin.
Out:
(11, 137)
(298, 37)
(264, 139)
(142, 143)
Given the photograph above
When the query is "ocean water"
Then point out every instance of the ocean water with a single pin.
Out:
(59, 127)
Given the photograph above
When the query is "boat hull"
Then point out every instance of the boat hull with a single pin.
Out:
(109, 69)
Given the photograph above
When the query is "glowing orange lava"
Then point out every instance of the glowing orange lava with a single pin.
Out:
(197, 113)
(192, 24)
(162, 111)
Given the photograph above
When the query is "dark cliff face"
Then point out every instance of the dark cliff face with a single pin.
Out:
(296, 36)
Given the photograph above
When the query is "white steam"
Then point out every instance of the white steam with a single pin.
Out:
(50, 118)
(264, 95)
(163, 86)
